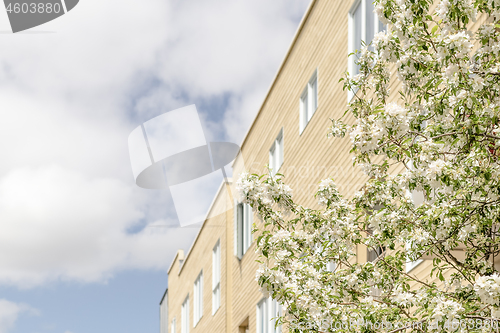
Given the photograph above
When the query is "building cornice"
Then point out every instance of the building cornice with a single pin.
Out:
(164, 296)
(180, 253)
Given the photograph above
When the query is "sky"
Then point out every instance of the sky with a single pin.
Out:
(80, 246)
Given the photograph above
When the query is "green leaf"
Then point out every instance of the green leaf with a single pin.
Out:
(434, 29)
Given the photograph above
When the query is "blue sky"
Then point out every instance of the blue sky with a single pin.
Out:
(77, 250)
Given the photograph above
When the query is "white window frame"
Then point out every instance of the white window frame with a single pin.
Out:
(276, 153)
(173, 326)
(216, 274)
(417, 198)
(361, 5)
(243, 221)
(267, 311)
(185, 315)
(198, 299)
(308, 101)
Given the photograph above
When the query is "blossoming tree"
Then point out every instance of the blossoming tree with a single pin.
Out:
(442, 129)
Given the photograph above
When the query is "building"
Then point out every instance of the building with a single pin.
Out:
(212, 288)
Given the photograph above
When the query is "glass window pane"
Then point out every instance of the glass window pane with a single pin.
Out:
(215, 299)
(240, 231)
(370, 22)
(357, 35)
(245, 228)
(272, 163)
(218, 263)
(373, 254)
(264, 315)
(249, 225)
(214, 268)
(274, 313)
(277, 154)
(185, 316)
(271, 159)
(195, 301)
(303, 115)
(381, 26)
(218, 296)
(260, 319)
(200, 297)
(282, 150)
(314, 96)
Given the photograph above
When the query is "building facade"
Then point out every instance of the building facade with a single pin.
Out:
(212, 288)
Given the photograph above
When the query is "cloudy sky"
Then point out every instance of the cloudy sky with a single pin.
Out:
(79, 250)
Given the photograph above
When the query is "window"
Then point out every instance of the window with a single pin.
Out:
(198, 299)
(243, 219)
(308, 101)
(173, 326)
(216, 277)
(276, 154)
(262, 317)
(185, 316)
(373, 254)
(418, 199)
(267, 312)
(164, 313)
(411, 264)
(363, 25)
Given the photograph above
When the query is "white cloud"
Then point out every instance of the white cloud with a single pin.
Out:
(10, 312)
(62, 225)
(239, 42)
(225, 46)
(69, 99)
